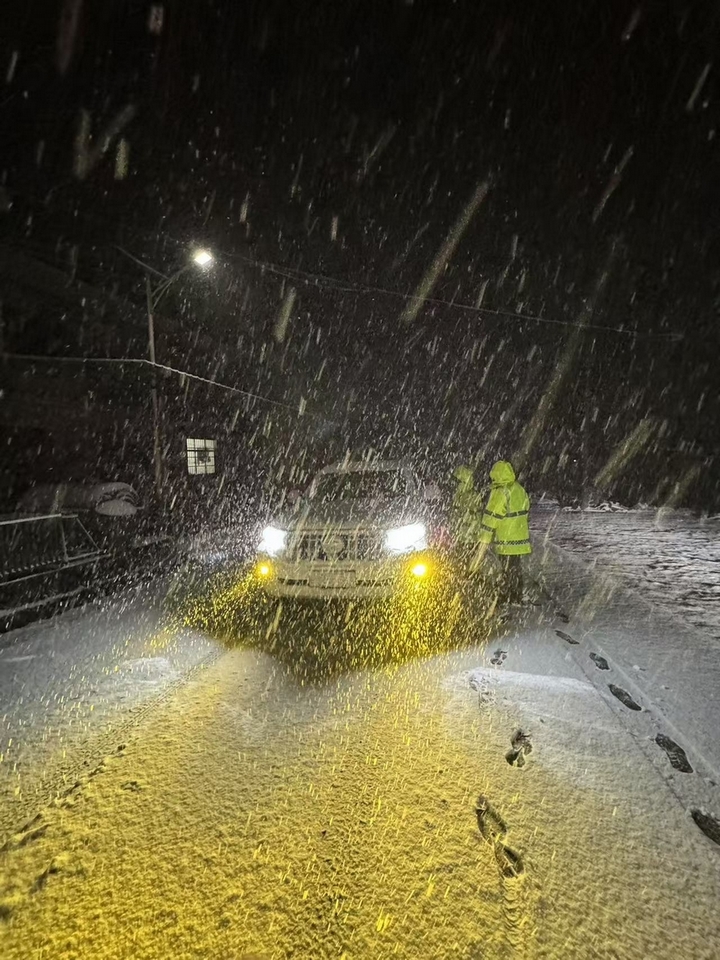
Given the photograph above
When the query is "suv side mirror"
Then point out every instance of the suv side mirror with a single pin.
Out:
(431, 493)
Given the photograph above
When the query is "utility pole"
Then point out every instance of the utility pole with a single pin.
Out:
(157, 442)
(200, 258)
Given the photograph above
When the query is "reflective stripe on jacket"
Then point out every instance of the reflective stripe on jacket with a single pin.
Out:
(505, 520)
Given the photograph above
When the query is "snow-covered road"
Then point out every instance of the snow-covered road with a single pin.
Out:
(329, 784)
(67, 682)
(496, 800)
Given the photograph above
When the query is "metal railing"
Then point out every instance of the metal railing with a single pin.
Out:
(43, 559)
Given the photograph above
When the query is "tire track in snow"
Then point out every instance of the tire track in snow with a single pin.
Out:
(87, 755)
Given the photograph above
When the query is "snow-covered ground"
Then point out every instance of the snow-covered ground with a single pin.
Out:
(537, 797)
(641, 595)
(670, 558)
(65, 681)
(378, 814)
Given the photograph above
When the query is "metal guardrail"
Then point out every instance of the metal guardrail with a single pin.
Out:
(43, 559)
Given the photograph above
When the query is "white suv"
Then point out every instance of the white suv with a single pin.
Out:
(360, 531)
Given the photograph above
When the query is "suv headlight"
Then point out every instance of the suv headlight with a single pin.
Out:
(405, 539)
(273, 541)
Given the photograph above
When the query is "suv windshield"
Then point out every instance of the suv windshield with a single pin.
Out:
(371, 485)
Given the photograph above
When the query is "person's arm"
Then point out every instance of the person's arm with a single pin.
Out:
(495, 511)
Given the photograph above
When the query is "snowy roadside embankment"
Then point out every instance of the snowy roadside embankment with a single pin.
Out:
(625, 581)
(672, 559)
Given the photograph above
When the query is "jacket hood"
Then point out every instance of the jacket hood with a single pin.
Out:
(464, 475)
(502, 472)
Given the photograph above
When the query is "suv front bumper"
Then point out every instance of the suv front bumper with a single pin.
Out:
(308, 580)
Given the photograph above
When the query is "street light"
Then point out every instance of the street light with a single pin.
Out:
(203, 258)
(199, 258)
(153, 294)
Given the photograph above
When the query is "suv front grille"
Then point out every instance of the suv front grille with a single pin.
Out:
(330, 547)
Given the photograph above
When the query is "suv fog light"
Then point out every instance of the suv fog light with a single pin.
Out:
(419, 570)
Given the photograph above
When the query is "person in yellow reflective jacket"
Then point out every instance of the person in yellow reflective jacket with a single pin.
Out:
(466, 512)
(505, 524)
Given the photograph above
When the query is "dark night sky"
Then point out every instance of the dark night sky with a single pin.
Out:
(387, 115)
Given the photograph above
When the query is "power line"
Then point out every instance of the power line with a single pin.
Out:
(348, 286)
(145, 266)
(139, 361)
(341, 285)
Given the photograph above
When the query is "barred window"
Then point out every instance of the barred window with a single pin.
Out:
(200, 456)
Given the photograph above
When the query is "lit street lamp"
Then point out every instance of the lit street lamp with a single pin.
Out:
(153, 294)
(203, 258)
(199, 258)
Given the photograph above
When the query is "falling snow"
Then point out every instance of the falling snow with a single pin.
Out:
(245, 714)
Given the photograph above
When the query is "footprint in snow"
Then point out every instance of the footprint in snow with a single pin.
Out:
(55, 866)
(485, 694)
(33, 830)
(600, 662)
(709, 824)
(491, 824)
(520, 748)
(675, 753)
(132, 785)
(510, 862)
(494, 829)
(485, 698)
(499, 657)
(624, 697)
